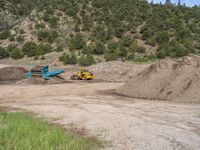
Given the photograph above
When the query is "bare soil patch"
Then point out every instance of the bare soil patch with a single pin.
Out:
(123, 123)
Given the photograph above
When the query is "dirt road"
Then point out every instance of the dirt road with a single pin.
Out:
(123, 123)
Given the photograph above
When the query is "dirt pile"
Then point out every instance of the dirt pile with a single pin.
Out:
(116, 71)
(167, 80)
(34, 80)
(69, 71)
(12, 73)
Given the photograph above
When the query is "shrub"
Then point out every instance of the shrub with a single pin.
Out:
(10, 48)
(54, 21)
(42, 35)
(77, 28)
(77, 42)
(99, 48)
(68, 58)
(59, 48)
(47, 35)
(3, 53)
(30, 49)
(188, 43)
(21, 31)
(177, 49)
(16, 53)
(12, 37)
(40, 25)
(46, 17)
(183, 33)
(36, 58)
(151, 41)
(122, 51)
(4, 34)
(119, 32)
(161, 54)
(43, 49)
(126, 41)
(86, 60)
(20, 38)
(88, 49)
(143, 59)
(52, 36)
(162, 37)
(110, 56)
(131, 57)
(141, 49)
(112, 46)
(43, 58)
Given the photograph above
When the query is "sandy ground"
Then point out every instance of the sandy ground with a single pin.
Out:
(122, 123)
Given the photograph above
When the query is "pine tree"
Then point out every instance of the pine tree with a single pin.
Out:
(179, 3)
(168, 2)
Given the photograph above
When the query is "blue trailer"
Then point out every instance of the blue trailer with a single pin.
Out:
(42, 71)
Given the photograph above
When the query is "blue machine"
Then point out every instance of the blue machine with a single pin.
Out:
(43, 71)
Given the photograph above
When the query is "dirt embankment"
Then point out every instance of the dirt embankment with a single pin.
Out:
(116, 71)
(12, 73)
(167, 80)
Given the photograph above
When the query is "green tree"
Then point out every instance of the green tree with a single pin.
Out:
(141, 49)
(30, 49)
(99, 48)
(161, 54)
(126, 41)
(86, 60)
(20, 38)
(163, 37)
(3, 53)
(59, 48)
(54, 21)
(16, 54)
(110, 56)
(68, 58)
(177, 49)
(77, 42)
(12, 38)
(4, 34)
(89, 49)
(123, 52)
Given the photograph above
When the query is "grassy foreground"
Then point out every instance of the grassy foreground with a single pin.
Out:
(19, 131)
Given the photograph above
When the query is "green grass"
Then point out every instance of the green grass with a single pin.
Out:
(19, 131)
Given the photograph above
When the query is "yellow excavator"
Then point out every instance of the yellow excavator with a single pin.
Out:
(83, 74)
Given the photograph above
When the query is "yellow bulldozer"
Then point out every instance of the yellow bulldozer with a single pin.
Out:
(83, 74)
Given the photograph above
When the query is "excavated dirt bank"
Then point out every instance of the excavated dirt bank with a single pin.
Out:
(12, 73)
(167, 80)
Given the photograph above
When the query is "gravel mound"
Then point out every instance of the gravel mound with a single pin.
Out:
(116, 71)
(12, 73)
(167, 80)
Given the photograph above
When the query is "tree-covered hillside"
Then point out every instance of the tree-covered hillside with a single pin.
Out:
(108, 29)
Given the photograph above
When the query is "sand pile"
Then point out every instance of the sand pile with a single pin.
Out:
(12, 73)
(116, 71)
(167, 80)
